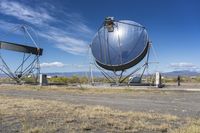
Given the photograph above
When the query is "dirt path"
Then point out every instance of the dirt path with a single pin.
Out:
(179, 103)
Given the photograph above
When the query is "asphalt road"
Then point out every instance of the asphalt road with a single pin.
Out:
(180, 103)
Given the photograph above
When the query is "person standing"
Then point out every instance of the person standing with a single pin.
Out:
(179, 80)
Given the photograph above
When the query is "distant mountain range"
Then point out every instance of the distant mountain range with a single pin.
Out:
(98, 74)
(182, 73)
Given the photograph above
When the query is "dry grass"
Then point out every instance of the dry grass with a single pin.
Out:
(46, 116)
(40, 116)
(84, 90)
(193, 126)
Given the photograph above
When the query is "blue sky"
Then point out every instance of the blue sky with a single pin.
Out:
(66, 27)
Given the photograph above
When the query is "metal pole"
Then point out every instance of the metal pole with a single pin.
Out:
(91, 74)
(30, 36)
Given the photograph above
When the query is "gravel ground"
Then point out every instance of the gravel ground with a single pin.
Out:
(180, 103)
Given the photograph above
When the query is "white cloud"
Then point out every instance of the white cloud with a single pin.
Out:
(60, 64)
(184, 66)
(52, 64)
(70, 34)
(65, 42)
(24, 12)
(6, 25)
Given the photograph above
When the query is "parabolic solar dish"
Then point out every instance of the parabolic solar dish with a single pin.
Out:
(19, 60)
(119, 45)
